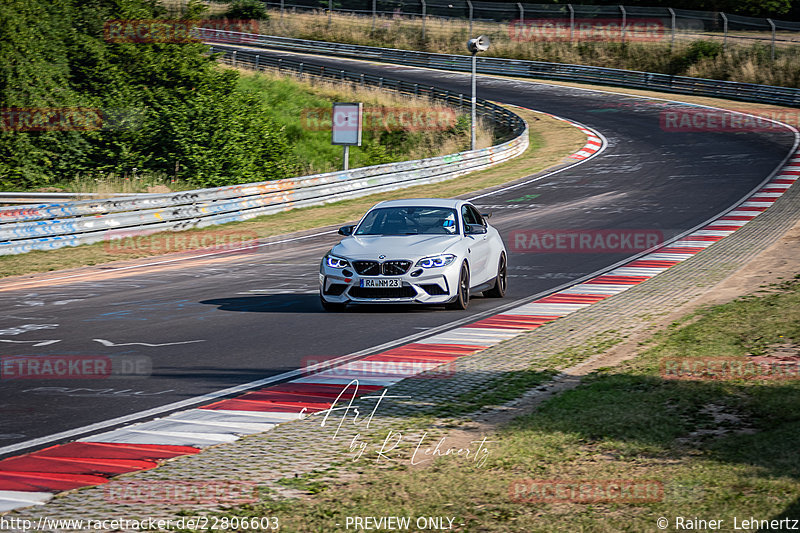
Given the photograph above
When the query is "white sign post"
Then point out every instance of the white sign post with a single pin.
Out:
(346, 123)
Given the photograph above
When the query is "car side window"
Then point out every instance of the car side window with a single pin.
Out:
(476, 215)
(468, 216)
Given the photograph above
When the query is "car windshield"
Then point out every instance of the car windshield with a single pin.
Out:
(409, 221)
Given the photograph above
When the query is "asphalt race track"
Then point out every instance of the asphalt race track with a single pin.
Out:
(202, 325)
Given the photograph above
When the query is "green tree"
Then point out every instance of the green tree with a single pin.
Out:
(163, 103)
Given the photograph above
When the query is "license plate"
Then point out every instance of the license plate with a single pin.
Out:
(381, 283)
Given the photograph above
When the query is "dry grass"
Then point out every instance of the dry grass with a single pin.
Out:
(551, 141)
(749, 63)
(112, 183)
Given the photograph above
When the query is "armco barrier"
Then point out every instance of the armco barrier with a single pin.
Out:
(749, 92)
(50, 226)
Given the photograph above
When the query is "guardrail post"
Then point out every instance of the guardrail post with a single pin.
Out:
(772, 54)
(571, 23)
(624, 21)
(724, 30)
(469, 3)
(672, 40)
(374, 13)
(424, 16)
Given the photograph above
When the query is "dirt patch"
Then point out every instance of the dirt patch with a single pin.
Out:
(724, 421)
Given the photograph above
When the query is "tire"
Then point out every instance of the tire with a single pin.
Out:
(331, 306)
(501, 281)
(462, 297)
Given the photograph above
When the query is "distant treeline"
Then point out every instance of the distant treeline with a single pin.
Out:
(75, 100)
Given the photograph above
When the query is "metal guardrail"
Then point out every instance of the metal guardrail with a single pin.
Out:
(50, 197)
(50, 226)
(748, 92)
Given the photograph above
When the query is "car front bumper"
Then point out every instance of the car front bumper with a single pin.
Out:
(432, 286)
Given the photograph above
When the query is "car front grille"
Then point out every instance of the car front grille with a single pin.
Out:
(401, 292)
(396, 268)
(367, 268)
(389, 268)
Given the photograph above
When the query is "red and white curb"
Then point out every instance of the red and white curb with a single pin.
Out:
(32, 479)
(594, 141)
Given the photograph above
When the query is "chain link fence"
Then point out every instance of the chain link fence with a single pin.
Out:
(567, 22)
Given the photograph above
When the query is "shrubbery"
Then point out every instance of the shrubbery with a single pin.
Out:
(168, 108)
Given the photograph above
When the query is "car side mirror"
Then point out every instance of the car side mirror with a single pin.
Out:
(486, 215)
(475, 229)
(346, 230)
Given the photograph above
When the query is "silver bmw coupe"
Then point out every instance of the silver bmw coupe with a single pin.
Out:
(429, 251)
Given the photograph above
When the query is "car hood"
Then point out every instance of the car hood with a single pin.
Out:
(394, 246)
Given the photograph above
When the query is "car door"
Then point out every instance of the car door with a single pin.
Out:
(479, 246)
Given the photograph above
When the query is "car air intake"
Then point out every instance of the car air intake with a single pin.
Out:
(364, 292)
(433, 289)
(335, 289)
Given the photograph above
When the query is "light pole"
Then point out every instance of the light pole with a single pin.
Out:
(478, 44)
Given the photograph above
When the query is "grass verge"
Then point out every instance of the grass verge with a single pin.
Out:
(550, 141)
(719, 449)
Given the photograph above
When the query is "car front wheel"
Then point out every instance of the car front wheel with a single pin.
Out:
(462, 297)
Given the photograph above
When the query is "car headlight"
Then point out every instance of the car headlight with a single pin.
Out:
(336, 262)
(436, 261)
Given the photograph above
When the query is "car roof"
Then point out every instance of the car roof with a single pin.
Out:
(423, 202)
